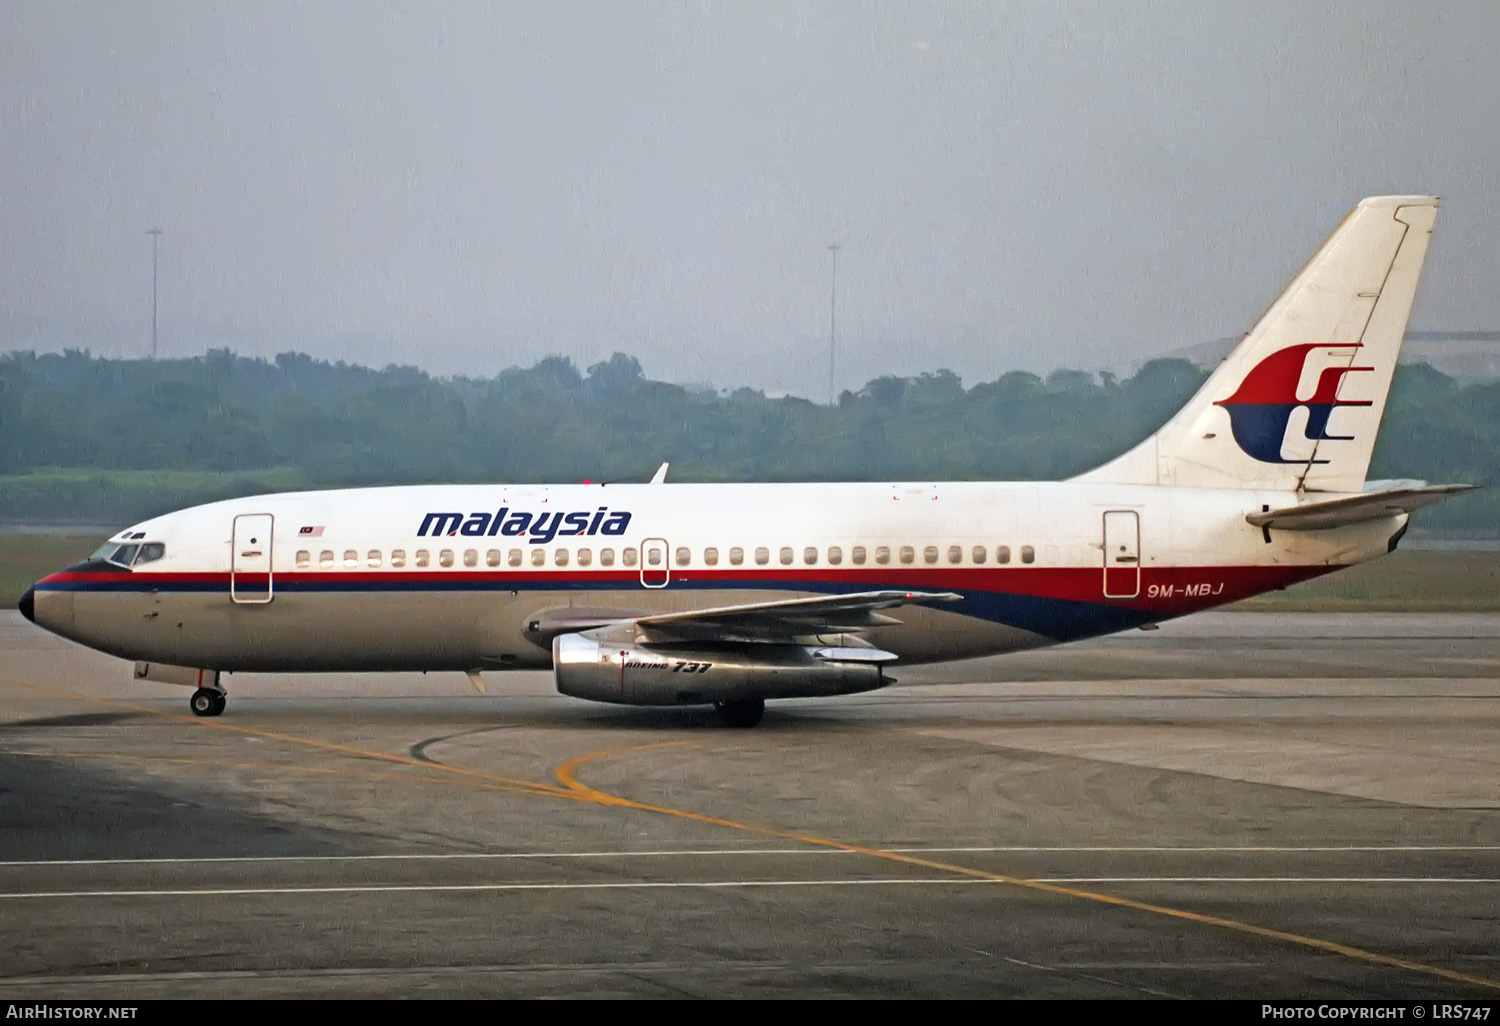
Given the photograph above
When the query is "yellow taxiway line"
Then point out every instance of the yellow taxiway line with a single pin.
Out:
(566, 775)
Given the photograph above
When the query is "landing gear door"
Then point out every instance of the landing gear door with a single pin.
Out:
(655, 570)
(250, 560)
(1122, 554)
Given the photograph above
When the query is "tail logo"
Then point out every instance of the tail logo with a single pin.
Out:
(1261, 408)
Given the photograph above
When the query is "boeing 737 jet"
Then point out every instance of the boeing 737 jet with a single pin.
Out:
(732, 594)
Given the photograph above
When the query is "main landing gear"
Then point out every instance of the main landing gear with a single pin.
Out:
(745, 712)
(208, 702)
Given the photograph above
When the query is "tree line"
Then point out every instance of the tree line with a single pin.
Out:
(84, 437)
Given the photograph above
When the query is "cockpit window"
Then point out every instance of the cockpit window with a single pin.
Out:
(129, 554)
(114, 552)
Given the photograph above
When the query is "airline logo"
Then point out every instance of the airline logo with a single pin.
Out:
(537, 528)
(1261, 408)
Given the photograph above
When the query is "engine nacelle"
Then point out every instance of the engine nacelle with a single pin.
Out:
(627, 673)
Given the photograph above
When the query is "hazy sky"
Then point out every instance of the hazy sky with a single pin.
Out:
(468, 187)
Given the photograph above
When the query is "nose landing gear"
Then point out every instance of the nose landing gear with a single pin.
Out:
(208, 702)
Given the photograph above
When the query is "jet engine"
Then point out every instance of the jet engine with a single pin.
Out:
(631, 673)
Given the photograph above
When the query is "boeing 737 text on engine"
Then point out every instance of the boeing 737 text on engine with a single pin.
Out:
(663, 594)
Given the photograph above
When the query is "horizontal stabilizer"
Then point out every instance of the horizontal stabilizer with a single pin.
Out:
(1354, 509)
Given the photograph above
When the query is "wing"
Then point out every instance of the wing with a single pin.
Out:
(1353, 509)
(776, 621)
(785, 619)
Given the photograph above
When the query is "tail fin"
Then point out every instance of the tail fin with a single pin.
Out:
(1298, 402)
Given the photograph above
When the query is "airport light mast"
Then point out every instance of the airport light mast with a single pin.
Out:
(833, 297)
(155, 234)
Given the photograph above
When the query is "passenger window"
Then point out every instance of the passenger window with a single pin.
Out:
(493, 557)
(627, 556)
(736, 555)
(810, 555)
(930, 554)
(471, 557)
(585, 557)
(1002, 553)
(835, 555)
(538, 557)
(560, 557)
(606, 557)
(857, 555)
(445, 557)
(980, 554)
(711, 557)
(684, 557)
(398, 557)
(1051, 552)
(786, 555)
(421, 557)
(908, 554)
(351, 558)
(1028, 554)
(514, 557)
(325, 558)
(762, 555)
(955, 554)
(373, 557)
(304, 559)
(653, 556)
(882, 554)
(150, 552)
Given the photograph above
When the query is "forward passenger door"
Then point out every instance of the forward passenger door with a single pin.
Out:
(250, 559)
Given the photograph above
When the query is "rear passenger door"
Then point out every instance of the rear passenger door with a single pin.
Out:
(1122, 554)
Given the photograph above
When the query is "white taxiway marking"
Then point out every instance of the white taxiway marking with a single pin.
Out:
(729, 884)
(442, 856)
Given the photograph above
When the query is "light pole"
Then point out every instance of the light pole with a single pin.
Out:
(155, 234)
(833, 299)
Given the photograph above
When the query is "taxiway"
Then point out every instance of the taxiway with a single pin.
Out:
(1237, 805)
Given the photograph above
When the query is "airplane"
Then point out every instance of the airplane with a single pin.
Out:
(732, 594)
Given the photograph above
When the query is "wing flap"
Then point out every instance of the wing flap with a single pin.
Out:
(1354, 509)
(847, 654)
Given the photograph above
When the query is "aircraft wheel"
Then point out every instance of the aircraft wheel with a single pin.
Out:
(743, 713)
(207, 702)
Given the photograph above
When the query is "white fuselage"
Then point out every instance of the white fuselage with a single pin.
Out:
(460, 576)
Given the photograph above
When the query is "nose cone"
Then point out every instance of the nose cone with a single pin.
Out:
(28, 605)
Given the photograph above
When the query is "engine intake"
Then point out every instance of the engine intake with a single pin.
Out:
(628, 673)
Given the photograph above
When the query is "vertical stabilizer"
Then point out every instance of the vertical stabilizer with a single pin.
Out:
(1298, 402)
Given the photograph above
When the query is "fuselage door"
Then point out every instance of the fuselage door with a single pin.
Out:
(250, 559)
(655, 570)
(1122, 554)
